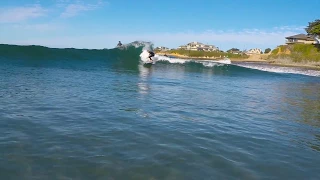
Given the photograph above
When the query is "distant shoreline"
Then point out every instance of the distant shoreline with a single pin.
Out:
(211, 58)
(255, 58)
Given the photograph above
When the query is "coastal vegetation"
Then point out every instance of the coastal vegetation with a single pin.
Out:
(297, 53)
(266, 51)
(308, 54)
(234, 51)
(313, 28)
(204, 54)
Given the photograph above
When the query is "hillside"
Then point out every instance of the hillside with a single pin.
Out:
(202, 54)
(303, 54)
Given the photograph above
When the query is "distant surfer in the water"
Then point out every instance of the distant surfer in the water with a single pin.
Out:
(119, 44)
(151, 54)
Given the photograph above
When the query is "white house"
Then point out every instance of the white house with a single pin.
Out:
(161, 48)
(302, 39)
(254, 51)
(197, 46)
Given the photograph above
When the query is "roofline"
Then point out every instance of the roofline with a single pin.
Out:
(307, 37)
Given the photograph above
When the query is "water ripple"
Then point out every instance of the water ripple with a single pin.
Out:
(168, 122)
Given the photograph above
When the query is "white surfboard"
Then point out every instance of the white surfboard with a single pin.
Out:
(149, 62)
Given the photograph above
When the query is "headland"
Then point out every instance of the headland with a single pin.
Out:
(289, 55)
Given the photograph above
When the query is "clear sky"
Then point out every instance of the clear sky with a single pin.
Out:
(242, 24)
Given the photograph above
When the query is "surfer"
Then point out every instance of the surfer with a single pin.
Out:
(119, 44)
(151, 54)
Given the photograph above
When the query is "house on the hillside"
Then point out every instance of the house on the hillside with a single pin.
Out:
(254, 51)
(161, 48)
(197, 46)
(301, 39)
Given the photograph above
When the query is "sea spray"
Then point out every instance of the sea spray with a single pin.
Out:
(144, 56)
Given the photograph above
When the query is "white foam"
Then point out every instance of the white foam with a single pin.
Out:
(145, 46)
(225, 61)
(208, 63)
(172, 60)
(144, 56)
(211, 63)
(136, 44)
(279, 69)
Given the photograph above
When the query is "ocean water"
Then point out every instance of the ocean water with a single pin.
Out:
(102, 114)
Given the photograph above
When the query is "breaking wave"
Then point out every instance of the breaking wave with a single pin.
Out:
(128, 56)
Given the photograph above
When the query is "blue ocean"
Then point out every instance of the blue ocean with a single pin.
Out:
(104, 114)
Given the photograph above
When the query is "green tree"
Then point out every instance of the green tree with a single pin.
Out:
(267, 50)
(314, 28)
(233, 50)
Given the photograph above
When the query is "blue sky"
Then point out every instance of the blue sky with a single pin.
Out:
(98, 24)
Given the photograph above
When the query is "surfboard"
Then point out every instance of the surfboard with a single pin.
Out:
(149, 62)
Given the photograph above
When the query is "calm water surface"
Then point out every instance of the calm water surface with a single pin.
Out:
(169, 121)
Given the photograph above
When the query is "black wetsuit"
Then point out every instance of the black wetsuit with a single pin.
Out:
(151, 54)
(119, 44)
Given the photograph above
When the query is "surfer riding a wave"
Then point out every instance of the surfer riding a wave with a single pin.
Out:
(151, 54)
(119, 44)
